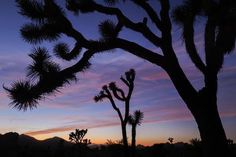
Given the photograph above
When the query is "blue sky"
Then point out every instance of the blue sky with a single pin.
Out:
(165, 114)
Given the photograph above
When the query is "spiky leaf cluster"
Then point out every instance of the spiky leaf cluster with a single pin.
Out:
(107, 29)
(136, 118)
(53, 11)
(36, 33)
(23, 95)
(83, 6)
(32, 9)
(187, 12)
(48, 20)
(49, 78)
(42, 64)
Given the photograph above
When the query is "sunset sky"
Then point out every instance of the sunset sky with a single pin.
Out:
(165, 114)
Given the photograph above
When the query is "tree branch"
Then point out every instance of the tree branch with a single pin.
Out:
(191, 48)
(124, 80)
(114, 105)
(151, 13)
(140, 51)
(165, 19)
(138, 27)
(117, 43)
(115, 90)
(210, 45)
(80, 65)
(127, 101)
(167, 47)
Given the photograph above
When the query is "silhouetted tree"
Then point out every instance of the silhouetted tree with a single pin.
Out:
(134, 120)
(171, 140)
(49, 22)
(78, 137)
(112, 91)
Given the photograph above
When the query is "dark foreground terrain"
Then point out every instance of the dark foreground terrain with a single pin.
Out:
(15, 145)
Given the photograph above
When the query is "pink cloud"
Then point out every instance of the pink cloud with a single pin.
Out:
(229, 69)
(99, 124)
(155, 114)
(52, 130)
(156, 76)
(228, 114)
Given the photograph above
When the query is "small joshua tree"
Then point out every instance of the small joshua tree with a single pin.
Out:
(134, 120)
(77, 137)
(171, 140)
(112, 91)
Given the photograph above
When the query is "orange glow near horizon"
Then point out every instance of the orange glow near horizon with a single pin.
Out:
(96, 139)
(145, 142)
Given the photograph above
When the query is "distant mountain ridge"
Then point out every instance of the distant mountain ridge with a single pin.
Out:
(13, 139)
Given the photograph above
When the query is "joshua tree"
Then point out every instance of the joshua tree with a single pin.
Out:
(171, 140)
(134, 120)
(112, 91)
(49, 22)
(78, 137)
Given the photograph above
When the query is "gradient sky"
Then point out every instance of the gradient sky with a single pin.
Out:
(165, 114)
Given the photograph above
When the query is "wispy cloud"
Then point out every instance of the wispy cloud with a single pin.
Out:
(97, 124)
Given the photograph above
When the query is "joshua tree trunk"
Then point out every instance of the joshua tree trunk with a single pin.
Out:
(133, 144)
(211, 131)
(209, 123)
(125, 140)
(203, 106)
(124, 135)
